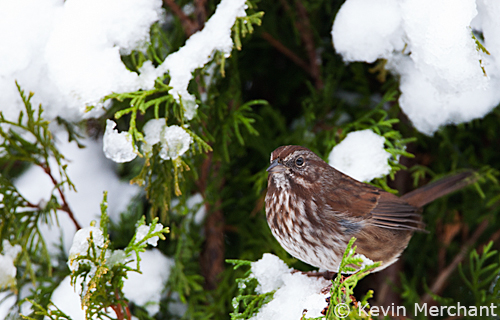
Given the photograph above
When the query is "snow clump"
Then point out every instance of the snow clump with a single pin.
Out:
(445, 77)
(8, 270)
(295, 292)
(174, 140)
(361, 155)
(118, 146)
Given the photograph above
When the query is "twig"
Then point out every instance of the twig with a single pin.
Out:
(304, 26)
(440, 282)
(118, 309)
(285, 51)
(200, 13)
(189, 26)
(65, 206)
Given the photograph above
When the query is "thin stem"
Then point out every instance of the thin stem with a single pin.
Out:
(65, 206)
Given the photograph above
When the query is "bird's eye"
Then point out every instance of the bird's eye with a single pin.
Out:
(299, 162)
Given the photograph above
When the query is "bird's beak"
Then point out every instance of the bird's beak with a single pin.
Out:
(276, 167)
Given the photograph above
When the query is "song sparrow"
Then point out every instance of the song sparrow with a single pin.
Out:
(313, 210)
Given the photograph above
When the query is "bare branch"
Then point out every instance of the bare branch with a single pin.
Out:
(189, 26)
(440, 282)
(285, 51)
(304, 26)
(200, 13)
(65, 206)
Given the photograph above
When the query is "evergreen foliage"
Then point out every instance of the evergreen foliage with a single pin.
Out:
(282, 84)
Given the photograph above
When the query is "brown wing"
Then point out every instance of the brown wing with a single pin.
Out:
(353, 198)
(392, 212)
(361, 202)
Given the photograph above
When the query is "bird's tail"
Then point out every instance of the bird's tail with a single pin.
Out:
(439, 188)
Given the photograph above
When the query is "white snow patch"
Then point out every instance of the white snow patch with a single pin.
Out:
(8, 270)
(81, 244)
(361, 155)
(118, 146)
(142, 231)
(7, 304)
(11, 250)
(174, 140)
(269, 271)
(366, 261)
(197, 200)
(116, 257)
(145, 289)
(368, 30)
(294, 292)
(152, 131)
(68, 300)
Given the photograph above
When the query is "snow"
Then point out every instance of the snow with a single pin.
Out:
(8, 270)
(69, 56)
(268, 271)
(365, 261)
(118, 146)
(294, 292)
(145, 288)
(429, 45)
(80, 244)
(68, 52)
(193, 202)
(361, 155)
(142, 289)
(68, 300)
(152, 131)
(7, 304)
(116, 257)
(142, 231)
(11, 250)
(377, 37)
(196, 200)
(174, 140)
(199, 50)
